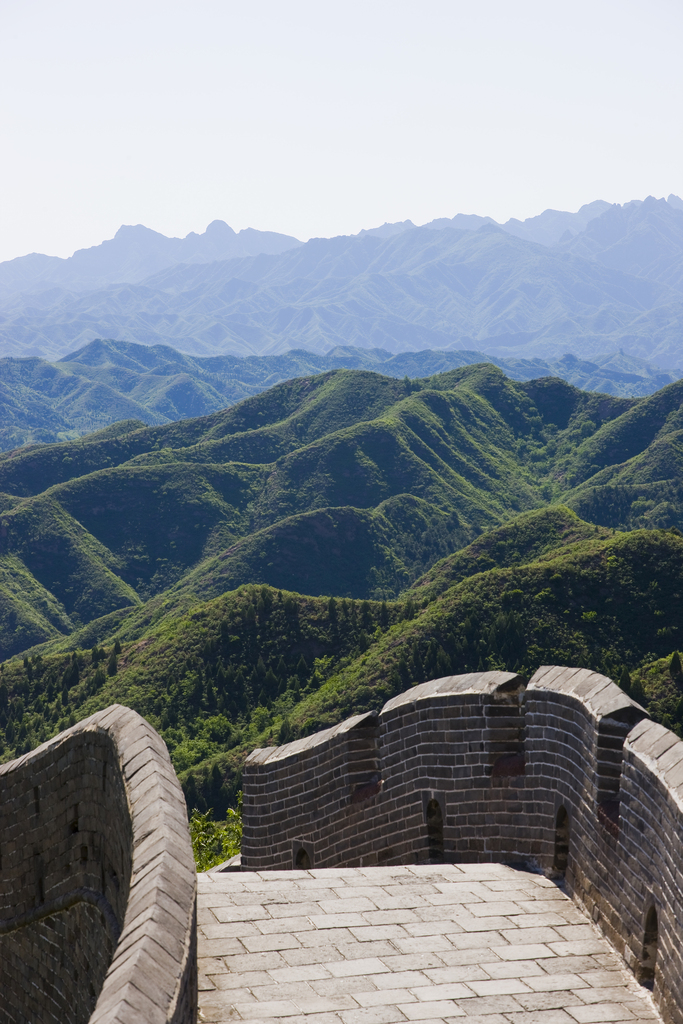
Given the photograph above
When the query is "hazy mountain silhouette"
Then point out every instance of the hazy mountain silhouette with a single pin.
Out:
(464, 283)
(133, 254)
(547, 228)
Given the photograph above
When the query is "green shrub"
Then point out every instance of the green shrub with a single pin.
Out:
(215, 841)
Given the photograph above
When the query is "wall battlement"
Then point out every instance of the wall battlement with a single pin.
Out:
(567, 774)
(97, 880)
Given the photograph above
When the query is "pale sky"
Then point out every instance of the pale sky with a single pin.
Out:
(321, 118)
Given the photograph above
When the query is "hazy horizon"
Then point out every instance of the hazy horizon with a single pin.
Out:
(315, 120)
(369, 227)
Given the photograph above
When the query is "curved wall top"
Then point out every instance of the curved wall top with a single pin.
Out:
(97, 879)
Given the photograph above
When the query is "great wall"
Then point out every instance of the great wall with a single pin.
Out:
(561, 785)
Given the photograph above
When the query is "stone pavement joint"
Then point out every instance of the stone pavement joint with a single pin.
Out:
(377, 946)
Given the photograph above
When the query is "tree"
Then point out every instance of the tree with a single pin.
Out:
(112, 664)
(637, 692)
(675, 665)
(302, 668)
(214, 842)
(286, 733)
(625, 680)
(443, 663)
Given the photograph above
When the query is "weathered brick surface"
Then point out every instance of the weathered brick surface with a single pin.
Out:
(438, 741)
(567, 775)
(97, 880)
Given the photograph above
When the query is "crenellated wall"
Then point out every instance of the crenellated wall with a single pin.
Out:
(97, 880)
(566, 774)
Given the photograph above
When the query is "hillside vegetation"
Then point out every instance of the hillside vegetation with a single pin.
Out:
(257, 666)
(346, 483)
(109, 381)
(431, 525)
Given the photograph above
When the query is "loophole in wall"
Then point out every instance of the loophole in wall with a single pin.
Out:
(434, 817)
(649, 955)
(561, 840)
(302, 860)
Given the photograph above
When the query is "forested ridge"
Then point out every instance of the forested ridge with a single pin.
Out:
(260, 573)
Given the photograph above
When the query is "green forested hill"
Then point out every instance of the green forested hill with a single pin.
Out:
(257, 665)
(433, 525)
(108, 381)
(347, 483)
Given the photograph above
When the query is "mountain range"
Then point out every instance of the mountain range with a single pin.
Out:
(107, 381)
(136, 252)
(604, 279)
(133, 254)
(346, 483)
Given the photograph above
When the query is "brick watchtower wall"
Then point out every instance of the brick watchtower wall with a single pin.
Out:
(568, 776)
(450, 751)
(97, 880)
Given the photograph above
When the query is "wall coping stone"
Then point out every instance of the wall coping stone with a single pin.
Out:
(266, 755)
(599, 695)
(472, 682)
(662, 752)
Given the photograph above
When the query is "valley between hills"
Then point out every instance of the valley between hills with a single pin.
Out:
(255, 574)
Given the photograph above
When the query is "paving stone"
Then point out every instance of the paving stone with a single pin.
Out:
(556, 982)
(431, 1011)
(600, 1012)
(429, 993)
(499, 986)
(344, 968)
(468, 961)
(373, 1015)
(549, 1000)
(310, 972)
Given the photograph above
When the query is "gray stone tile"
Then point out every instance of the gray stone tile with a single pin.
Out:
(541, 1017)
(412, 961)
(499, 987)
(308, 972)
(452, 990)
(490, 1004)
(363, 966)
(373, 1015)
(436, 1010)
(391, 996)
(556, 982)
(599, 1012)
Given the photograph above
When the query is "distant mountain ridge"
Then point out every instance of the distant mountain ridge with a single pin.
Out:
(133, 254)
(109, 381)
(547, 228)
(608, 282)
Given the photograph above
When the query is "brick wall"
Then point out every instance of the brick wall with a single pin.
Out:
(97, 880)
(567, 775)
(360, 793)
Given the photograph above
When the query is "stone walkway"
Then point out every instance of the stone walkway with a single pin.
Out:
(426, 943)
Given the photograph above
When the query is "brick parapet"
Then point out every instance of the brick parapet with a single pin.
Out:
(567, 774)
(97, 879)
